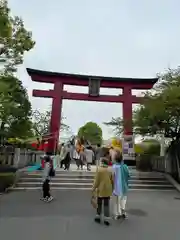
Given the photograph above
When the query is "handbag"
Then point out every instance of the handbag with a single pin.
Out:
(94, 202)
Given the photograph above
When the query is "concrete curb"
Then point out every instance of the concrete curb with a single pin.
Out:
(172, 181)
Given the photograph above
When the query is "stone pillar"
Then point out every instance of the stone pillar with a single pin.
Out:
(127, 111)
(17, 153)
(55, 116)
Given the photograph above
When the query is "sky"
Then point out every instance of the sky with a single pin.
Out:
(123, 38)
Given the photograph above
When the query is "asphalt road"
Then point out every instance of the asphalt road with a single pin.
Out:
(152, 215)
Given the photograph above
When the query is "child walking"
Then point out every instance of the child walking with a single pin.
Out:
(121, 177)
(46, 179)
(103, 185)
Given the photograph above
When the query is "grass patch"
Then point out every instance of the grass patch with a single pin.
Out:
(6, 174)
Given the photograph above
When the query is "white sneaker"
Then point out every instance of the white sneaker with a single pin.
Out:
(44, 199)
(50, 199)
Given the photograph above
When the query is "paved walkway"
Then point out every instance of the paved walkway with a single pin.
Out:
(70, 216)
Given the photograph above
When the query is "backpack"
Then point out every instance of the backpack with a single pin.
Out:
(52, 172)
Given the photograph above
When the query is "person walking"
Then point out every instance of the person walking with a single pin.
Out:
(89, 155)
(62, 155)
(76, 157)
(98, 155)
(103, 186)
(121, 176)
(46, 179)
(67, 159)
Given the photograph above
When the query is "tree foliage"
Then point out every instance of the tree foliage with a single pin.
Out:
(15, 108)
(117, 124)
(15, 40)
(160, 109)
(41, 123)
(91, 132)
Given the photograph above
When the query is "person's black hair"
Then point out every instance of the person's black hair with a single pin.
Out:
(98, 145)
(89, 147)
(47, 158)
(49, 153)
(62, 144)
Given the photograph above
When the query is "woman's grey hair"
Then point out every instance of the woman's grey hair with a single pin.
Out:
(118, 157)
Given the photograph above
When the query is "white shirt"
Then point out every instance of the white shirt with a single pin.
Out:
(89, 155)
(76, 155)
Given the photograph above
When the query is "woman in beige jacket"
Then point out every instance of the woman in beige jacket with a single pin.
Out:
(103, 185)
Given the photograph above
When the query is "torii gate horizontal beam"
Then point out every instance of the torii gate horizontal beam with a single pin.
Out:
(85, 97)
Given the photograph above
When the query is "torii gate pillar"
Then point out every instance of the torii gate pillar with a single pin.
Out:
(55, 116)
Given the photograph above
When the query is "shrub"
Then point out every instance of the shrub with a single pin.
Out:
(6, 180)
(143, 162)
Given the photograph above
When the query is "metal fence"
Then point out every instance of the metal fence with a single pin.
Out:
(158, 164)
(166, 164)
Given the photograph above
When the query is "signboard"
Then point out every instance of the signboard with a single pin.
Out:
(128, 151)
(94, 87)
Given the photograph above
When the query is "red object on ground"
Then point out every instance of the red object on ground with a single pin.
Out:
(110, 163)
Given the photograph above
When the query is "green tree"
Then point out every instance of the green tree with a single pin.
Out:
(5, 26)
(14, 38)
(117, 124)
(41, 123)
(92, 132)
(160, 109)
(15, 108)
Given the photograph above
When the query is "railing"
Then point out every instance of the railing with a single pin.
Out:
(158, 164)
(19, 157)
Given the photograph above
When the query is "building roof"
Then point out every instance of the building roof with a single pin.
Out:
(85, 77)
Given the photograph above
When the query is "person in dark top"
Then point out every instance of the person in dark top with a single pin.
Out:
(46, 179)
(98, 154)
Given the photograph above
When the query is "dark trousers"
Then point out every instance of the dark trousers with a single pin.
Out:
(46, 189)
(79, 162)
(67, 161)
(103, 201)
(88, 166)
(62, 163)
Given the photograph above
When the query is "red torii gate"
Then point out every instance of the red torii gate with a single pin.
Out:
(58, 94)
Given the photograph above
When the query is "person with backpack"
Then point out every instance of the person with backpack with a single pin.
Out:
(48, 172)
(121, 176)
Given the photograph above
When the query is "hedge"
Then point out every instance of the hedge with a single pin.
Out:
(6, 180)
